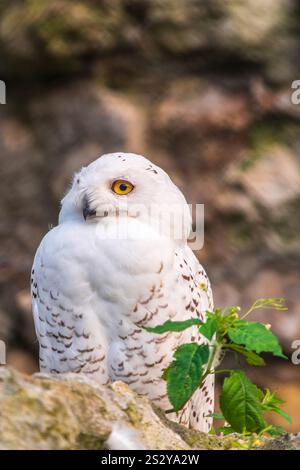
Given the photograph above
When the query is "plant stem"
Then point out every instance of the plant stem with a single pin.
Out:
(248, 312)
(221, 371)
(210, 362)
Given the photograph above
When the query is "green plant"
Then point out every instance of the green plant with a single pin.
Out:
(243, 404)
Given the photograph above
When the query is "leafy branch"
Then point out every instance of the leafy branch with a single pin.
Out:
(242, 403)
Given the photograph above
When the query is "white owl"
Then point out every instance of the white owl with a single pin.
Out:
(109, 269)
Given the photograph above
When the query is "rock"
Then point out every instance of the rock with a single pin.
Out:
(80, 116)
(271, 180)
(45, 33)
(72, 412)
(21, 359)
(262, 195)
(195, 104)
(195, 121)
(226, 294)
(248, 24)
(19, 227)
(39, 155)
(39, 39)
(231, 201)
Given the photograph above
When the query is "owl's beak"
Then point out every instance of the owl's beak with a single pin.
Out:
(86, 210)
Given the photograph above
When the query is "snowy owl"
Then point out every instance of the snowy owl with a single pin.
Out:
(108, 270)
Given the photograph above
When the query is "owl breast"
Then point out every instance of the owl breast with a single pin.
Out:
(94, 297)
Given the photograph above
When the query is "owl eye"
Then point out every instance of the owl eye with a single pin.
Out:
(122, 187)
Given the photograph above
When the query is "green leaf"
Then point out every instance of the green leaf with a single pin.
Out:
(254, 359)
(209, 328)
(240, 403)
(251, 357)
(282, 413)
(184, 374)
(255, 337)
(275, 431)
(216, 415)
(272, 403)
(226, 430)
(174, 326)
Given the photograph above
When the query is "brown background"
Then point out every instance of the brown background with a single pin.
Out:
(203, 89)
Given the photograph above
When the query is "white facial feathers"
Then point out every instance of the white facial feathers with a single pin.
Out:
(154, 200)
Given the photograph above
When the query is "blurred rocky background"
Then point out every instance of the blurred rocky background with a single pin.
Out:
(203, 88)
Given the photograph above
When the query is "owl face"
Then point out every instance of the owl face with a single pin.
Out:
(124, 187)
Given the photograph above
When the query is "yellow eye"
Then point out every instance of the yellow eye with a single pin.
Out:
(122, 187)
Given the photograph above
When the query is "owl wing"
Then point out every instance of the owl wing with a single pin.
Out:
(200, 300)
(64, 323)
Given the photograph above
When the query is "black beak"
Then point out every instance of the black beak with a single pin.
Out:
(86, 210)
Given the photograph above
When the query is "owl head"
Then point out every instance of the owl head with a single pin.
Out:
(121, 188)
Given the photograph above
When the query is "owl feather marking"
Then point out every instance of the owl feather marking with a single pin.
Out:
(93, 296)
